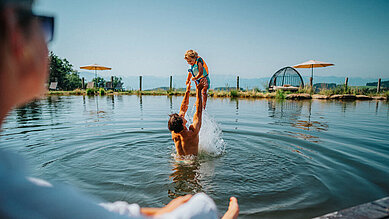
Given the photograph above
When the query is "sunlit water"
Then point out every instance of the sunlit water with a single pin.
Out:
(281, 159)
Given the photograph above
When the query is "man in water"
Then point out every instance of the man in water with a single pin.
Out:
(23, 73)
(187, 140)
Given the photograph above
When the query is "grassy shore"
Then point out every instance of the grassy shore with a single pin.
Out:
(304, 93)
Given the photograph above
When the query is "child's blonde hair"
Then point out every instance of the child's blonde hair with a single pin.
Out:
(191, 54)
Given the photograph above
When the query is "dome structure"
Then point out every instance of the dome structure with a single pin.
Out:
(286, 78)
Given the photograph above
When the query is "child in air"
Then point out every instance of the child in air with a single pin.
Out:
(199, 72)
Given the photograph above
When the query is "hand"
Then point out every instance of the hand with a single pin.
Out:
(193, 79)
(175, 203)
(200, 85)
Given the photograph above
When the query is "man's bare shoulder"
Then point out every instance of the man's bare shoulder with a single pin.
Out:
(175, 136)
(192, 130)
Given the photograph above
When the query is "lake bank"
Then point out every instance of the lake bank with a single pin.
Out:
(234, 94)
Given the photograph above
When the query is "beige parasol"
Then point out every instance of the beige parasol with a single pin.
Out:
(95, 67)
(313, 64)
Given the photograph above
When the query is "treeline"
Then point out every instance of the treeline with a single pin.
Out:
(384, 84)
(67, 78)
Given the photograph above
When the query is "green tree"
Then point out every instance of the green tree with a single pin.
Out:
(99, 81)
(117, 81)
(73, 81)
(62, 72)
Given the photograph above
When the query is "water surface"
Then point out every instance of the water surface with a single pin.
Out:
(282, 159)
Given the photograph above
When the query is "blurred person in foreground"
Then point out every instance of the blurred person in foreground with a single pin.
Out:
(23, 73)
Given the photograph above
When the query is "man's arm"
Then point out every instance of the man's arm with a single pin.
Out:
(185, 101)
(188, 78)
(199, 109)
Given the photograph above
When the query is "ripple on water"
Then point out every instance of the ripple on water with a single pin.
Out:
(282, 159)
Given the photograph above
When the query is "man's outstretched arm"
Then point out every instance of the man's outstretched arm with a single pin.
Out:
(199, 108)
(185, 101)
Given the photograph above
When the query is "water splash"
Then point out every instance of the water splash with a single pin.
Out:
(210, 137)
(211, 142)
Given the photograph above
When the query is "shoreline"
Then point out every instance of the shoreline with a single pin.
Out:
(229, 94)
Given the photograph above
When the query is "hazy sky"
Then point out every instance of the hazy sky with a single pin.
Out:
(246, 38)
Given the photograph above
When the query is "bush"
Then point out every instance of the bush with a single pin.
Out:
(77, 92)
(101, 91)
(280, 94)
(234, 93)
(305, 90)
(386, 94)
(327, 92)
(90, 91)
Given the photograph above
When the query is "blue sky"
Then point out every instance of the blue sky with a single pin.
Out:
(246, 38)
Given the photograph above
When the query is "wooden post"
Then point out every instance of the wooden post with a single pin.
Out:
(171, 82)
(311, 82)
(237, 82)
(379, 85)
(140, 83)
(346, 82)
(83, 83)
(112, 83)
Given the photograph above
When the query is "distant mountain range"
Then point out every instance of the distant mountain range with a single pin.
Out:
(151, 82)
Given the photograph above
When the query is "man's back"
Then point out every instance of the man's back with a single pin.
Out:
(186, 141)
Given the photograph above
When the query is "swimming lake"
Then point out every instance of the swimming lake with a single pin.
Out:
(281, 159)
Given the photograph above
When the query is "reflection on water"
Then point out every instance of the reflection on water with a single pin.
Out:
(141, 110)
(30, 111)
(236, 112)
(170, 103)
(284, 112)
(297, 114)
(290, 113)
(185, 177)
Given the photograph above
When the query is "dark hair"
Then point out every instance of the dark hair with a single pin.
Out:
(23, 13)
(175, 123)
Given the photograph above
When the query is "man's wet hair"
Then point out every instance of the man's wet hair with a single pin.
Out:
(175, 123)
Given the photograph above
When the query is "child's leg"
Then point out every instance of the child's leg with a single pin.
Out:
(204, 94)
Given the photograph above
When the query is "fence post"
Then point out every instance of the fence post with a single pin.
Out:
(237, 82)
(83, 83)
(140, 83)
(171, 82)
(379, 85)
(346, 82)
